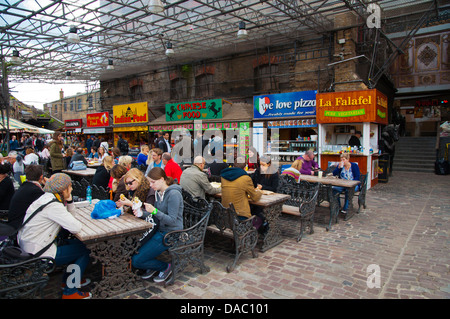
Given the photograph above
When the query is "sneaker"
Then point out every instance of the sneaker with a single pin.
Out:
(343, 211)
(163, 275)
(83, 283)
(78, 295)
(148, 274)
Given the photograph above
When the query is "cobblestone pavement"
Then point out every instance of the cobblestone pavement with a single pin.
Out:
(403, 231)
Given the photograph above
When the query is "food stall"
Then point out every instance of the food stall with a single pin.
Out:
(131, 120)
(339, 116)
(290, 119)
(98, 124)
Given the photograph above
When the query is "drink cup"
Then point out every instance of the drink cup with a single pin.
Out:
(320, 174)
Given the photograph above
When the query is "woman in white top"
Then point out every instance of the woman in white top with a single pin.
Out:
(31, 157)
(46, 225)
(101, 154)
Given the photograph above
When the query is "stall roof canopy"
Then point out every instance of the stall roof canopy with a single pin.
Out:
(16, 126)
(135, 39)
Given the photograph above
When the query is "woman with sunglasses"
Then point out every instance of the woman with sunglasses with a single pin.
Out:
(138, 186)
(168, 213)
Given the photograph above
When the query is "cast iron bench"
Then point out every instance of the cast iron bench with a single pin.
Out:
(244, 234)
(186, 245)
(302, 203)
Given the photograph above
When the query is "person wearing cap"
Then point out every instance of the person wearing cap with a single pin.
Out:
(354, 139)
(46, 225)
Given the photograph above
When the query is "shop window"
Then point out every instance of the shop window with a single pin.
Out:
(204, 85)
(136, 93)
(265, 79)
(90, 101)
(178, 88)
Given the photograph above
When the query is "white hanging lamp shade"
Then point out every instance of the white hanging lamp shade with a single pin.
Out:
(73, 37)
(155, 6)
(242, 33)
(16, 60)
(110, 65)
(169, 49)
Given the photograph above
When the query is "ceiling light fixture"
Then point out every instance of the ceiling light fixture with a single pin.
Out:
(110, 65)
(169, 49)
(16, 60)
(155, 6)
(73, 37)
(242, 33)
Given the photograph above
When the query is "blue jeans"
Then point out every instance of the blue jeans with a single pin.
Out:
(340, 189)
(146, 256)
(72, 252)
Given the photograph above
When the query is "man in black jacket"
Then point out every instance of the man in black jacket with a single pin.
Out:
(30, 190)
(122, 145)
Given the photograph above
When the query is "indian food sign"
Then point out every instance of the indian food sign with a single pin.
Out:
(130, 113)
(195, 110)
(352, 106)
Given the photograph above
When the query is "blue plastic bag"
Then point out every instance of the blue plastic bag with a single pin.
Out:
(105, 208)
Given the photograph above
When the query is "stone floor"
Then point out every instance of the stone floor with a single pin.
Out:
(403, 233)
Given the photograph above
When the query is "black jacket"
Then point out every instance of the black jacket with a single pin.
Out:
(21, 200)
(101, 177)
(268, 181)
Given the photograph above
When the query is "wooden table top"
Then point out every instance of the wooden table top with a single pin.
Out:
(98, 229)
(271, 199)
(329, 181)
(85, 172)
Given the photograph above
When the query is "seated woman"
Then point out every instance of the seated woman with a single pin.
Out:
(6, 185)
(102, 175)
(265, 177)
(253, 158)
(346, 170)
(294, 170)
(93, 153)
(126, 161)
(168, 211)
(45, 226)
(31, 157)
(138, 186)
(115, 151)
(101, 154)
(68, 157)
(117, 181)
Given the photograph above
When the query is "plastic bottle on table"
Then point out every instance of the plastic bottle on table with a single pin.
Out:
(89, 194)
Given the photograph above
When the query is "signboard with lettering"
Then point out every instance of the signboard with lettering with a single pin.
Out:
(130, 113)
(285, 105)
(71, 124)
(97, 119)
(195, 110)
(351, 107)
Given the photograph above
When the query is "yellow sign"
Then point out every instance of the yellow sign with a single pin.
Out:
(130, 113)
(130, 129)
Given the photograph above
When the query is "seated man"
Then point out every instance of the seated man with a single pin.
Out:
(195, 181)
(30, 190)
(237, 186)
(309, 166)
(78, 156)
(171, 168)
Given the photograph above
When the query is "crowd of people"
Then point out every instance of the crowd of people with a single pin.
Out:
(159, 189)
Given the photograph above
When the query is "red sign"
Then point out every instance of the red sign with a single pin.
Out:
(70, 124)
(97, 119)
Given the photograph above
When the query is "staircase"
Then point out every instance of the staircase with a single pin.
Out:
(415, 154)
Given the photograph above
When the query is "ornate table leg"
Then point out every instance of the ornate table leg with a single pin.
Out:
(273, 235)
(334, 206)
(351, 211)
(115, 255)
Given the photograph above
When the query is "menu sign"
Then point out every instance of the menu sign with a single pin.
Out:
(97, 119)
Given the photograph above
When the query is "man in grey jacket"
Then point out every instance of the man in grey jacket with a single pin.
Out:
(195, 181)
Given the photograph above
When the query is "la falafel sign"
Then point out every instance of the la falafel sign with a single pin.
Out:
(195, 110)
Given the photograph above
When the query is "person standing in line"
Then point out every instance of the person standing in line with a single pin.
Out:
(122, 145)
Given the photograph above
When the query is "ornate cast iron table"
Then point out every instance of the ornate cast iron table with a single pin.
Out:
(112, 242)
(271, 205)
(332, 181)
